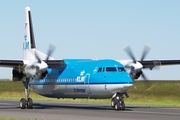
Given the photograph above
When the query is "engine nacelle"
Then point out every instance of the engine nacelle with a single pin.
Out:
(135, 75)
(135, 70)
(17, 76)
(36, 70)
(40, 75)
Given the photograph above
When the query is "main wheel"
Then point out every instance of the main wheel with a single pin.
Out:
(22, 103)
(30, 103)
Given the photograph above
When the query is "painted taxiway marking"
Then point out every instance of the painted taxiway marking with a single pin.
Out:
(156, 113)
(5, 103)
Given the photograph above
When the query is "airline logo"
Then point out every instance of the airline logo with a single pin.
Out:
(25, 37)
(82, 76)
(26, 45)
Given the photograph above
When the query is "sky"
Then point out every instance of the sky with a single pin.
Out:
(95, 29)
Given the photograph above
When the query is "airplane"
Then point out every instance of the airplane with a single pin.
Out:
(75, 78)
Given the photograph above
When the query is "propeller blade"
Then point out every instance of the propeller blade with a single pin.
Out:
(145, 79)
(145, 52)
(129, 52)
(37, 57)
(143, 76)
(50, 51)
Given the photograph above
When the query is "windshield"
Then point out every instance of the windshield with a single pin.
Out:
(111, 69)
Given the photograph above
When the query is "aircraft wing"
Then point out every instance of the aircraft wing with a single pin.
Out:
(11, 63)
(152, 63)
(56, 64)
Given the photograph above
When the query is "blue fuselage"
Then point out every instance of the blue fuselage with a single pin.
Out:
(84, 78)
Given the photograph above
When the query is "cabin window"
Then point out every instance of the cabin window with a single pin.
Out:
(121, 69)
(100, 69)
(111, 69)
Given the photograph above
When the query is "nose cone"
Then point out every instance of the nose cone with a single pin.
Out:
(127, 87)
(125, 84)
(125, 78)
(130, 80)
(129, 83)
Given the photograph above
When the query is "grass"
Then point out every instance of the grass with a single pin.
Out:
(160, 93)
(16, 119)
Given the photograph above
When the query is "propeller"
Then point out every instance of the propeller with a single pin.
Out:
(49, 53)
(136, 67)
(39, 70)
(131, 55)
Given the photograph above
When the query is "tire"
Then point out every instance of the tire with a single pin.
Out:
(30, 103)
(22, 103)
(117, 106)
(123, 106)
(113, 102)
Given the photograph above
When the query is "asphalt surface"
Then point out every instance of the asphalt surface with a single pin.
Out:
(82, 111)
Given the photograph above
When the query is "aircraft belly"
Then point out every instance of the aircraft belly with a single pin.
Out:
(81, 91)
(61, 91)
(106, 91)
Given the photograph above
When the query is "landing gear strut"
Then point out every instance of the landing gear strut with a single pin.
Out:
(26, 102)
(117, 101)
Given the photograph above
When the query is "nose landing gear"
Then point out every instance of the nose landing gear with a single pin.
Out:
(117, 101)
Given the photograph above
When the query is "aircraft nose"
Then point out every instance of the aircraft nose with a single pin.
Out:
(128, 84)
(131, 80)
(128, 79)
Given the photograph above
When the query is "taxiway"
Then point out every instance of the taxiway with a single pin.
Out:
(81, 111)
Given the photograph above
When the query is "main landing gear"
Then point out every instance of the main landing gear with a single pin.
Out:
(117, 101)
(26, 102)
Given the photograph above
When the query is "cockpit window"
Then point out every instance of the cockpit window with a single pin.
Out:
(111, 69)
(103, 69)
(121, 69)
(100, 69)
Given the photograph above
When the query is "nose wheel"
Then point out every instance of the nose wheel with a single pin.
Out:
(119, 106)
(117, 102)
